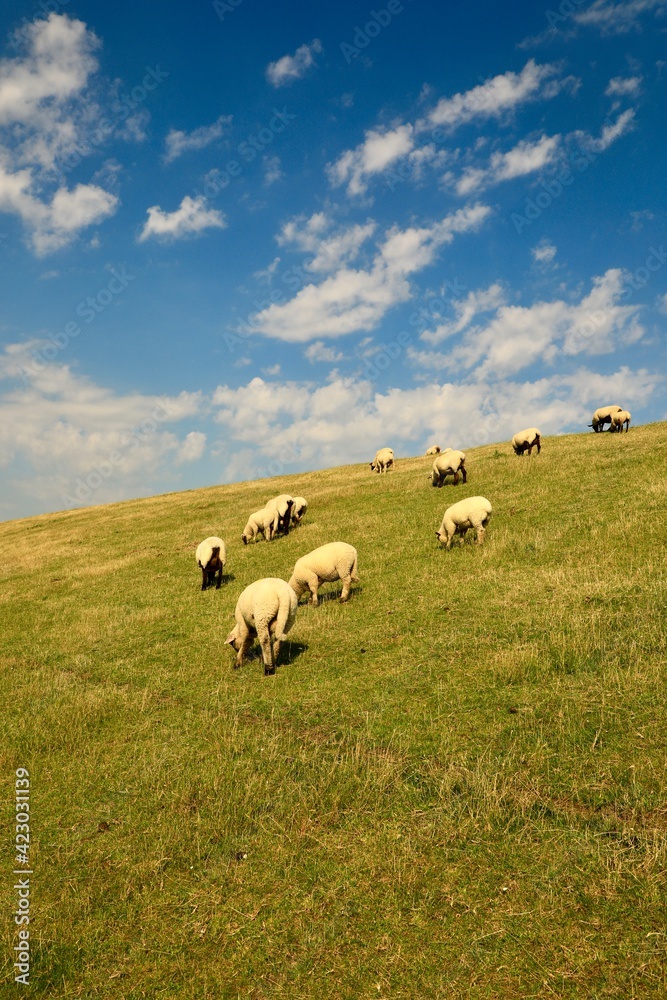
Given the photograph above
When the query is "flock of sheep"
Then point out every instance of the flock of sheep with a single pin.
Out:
(267, 608)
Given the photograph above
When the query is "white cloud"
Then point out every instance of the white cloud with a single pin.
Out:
(621, 86)
(272, 171)
(611, 17)
(518, 336)
(661, 304)
(319, 352)
(609, 134)
(44, 116)
(495, 97)
(271, 370)
(544, 253)
(525, 158)
(76, 435)
(291, 68)
(465, 311)
(192, 216)
(343, 421)
(179, 142)
(351, 300)
(330, 249)
(372, 156)
(192, 448)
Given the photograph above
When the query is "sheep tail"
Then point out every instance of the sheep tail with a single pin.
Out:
(281, 620)
(353, 571)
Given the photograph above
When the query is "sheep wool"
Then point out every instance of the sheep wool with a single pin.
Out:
(383, 461)
(449, 463)
(619, 419)
(603, 416)
(473, 512)
(262, 522)
(211, 558)
(299, 509)
(333, 561)
(526, 440)
(283, 505)
(266, 610)
(433, 450)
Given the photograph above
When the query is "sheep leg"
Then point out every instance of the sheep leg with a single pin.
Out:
(204, 578)
(219, 576)
(245, 641)
(537, 442)
(264, 637)
(345, 592)
(464, 474)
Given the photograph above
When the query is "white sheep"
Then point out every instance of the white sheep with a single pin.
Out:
(283, 505)
(526, 441)
(433, 450)
(211, 558)
(266, 609)
(298, 510)
(333, 561)
(449, 463)
(262, 522)
(603, 416)
(384, 460)
(618, 419)
(473, 512)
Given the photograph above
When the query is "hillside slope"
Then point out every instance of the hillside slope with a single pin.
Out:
(454, 786)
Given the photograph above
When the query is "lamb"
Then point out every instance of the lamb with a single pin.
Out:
(298, 510)
(450, 463)
(211, 558)
(283, 505)
(384, 460)
(620, 418)
(266, 609)
(433, 450)
(333, 561)
(262, 522)
(526, 440)
(603, 416)
(473, 512)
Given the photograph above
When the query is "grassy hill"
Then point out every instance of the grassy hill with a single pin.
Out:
(454, 786)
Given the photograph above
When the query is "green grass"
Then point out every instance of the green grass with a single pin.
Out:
(454, 786)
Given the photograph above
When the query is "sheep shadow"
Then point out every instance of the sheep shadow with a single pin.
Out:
(330, 595)
(225, 579)
(289, 652)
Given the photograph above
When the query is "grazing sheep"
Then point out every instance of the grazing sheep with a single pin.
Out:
(298, 510)
(266, 609)
(473, 512)
(384, 460)
(333, 561)
(620, 418)
(211, 558)
(450, 463)
(283, 505)
(603, 416)
(526, 440)
(262, 522)
(433, 450)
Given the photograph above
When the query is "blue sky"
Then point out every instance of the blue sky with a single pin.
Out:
(248, 239)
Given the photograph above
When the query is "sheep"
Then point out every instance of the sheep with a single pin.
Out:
(620, 418)
(298, 510)
(211, 558)
(384, 460)
(266, 609)
(526, 440)
(262, 522)
(603, 416)
(283, 505)
(450, 463)
(333, 561)
(473, 512)
(433, 450)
